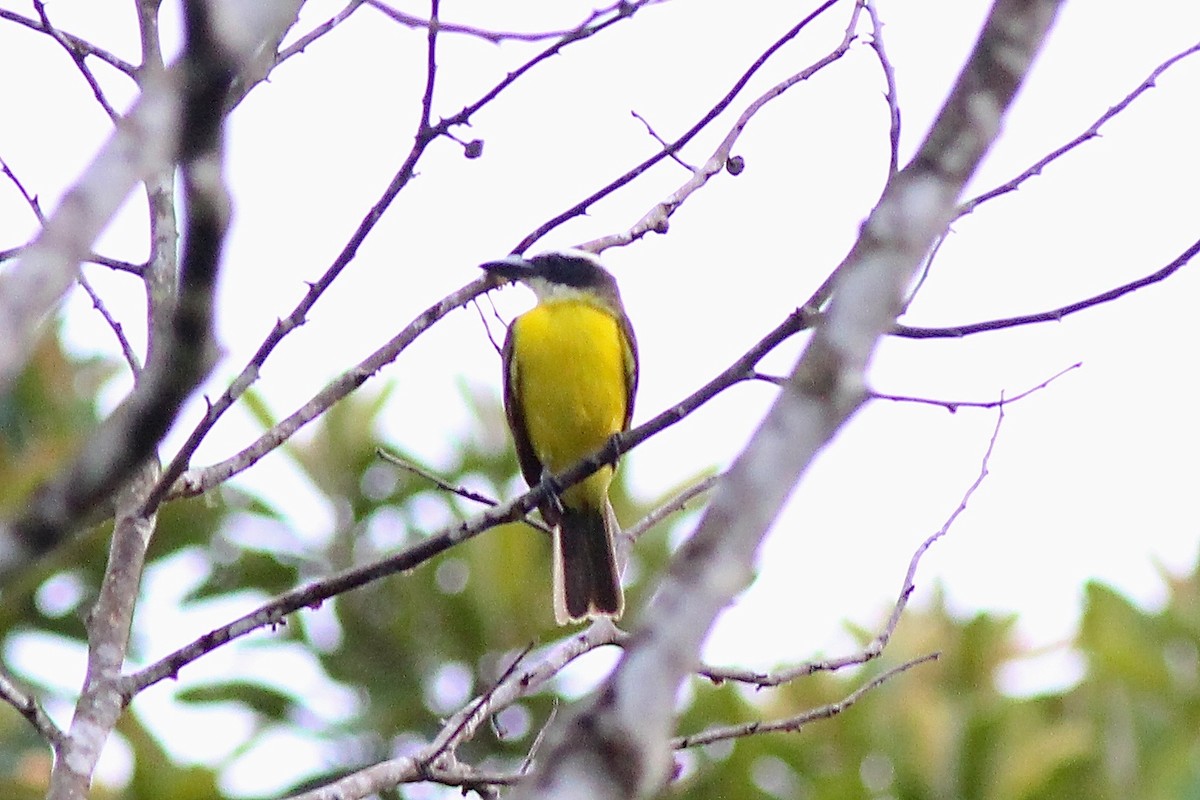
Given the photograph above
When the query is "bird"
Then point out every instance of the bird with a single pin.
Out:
(570, 376)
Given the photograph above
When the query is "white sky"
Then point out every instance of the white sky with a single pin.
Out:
(1092, 478)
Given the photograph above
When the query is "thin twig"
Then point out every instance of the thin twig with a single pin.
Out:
(446, 486)
(352, 379)
(671, 506)
(527, 761)
(889, 76)
(35, 206)
(954, 405)
(437, 481)
(79, 56)
(78, 44)
(792, 724)
(131, 358)
(1092, 132)
(1054, 315)
(29, 708)
(654, 135)
(462, 725)
(316, 33)
(499, 348)
(317, 592)
(877, 645)
(412, 21)
(655, 219)
(30, 200)
(447, 744)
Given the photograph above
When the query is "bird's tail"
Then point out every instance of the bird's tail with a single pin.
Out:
(586, 580)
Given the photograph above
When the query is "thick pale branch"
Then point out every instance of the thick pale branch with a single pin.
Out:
(177, 118)
(182, 353)
(142, 143)
(618, 744)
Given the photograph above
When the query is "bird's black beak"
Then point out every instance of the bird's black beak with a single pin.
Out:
(512, 268)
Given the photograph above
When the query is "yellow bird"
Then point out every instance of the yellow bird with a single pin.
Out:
(570, 374)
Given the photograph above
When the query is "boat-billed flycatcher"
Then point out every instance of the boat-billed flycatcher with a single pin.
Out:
(570, 373)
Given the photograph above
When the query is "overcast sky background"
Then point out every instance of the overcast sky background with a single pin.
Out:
(1092, 478)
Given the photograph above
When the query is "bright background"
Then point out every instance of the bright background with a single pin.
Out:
(1092, 478)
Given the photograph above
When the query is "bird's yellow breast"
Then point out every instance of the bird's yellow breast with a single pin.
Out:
(572, 383)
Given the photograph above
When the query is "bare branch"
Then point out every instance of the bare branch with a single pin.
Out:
(30, 200)
(76, 44)
(436, 480)
(654, 135)
(142, 144)
(316, 33)
(314, 594)
(954, 405)
(100, 702)
(1054, 315)
(184, 120)
(1092, 132)
(201, 480)
(616, 10)
(876, 646)
(617, 745)
(462, 726)
(452, 735)
(889, 75)
(117, 328)
(446, 486)
(792, 724)
(29, 708)
(671, 506)
(79, 56)
(657, 219)
(426, 134)
(583, 205)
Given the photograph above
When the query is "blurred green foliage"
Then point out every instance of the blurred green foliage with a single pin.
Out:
(409, 649)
